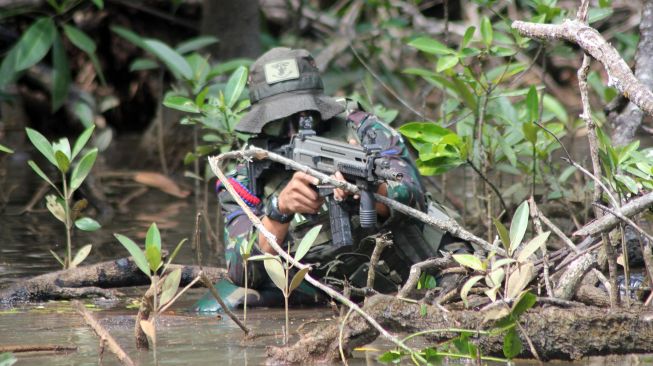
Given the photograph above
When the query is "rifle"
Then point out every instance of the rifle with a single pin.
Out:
(363, 165)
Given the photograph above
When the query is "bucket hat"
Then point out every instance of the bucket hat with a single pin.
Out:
(283, 82)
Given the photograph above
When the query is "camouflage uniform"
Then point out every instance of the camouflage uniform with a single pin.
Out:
(349, 264)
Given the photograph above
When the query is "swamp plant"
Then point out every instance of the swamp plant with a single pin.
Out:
(151, 262)
(63, 158)
(279, 270)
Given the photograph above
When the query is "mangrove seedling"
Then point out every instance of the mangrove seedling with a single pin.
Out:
(279, 271)
(61, 205)
(246, 253)
(150, 262)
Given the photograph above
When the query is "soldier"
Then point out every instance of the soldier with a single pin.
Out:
(285, 85)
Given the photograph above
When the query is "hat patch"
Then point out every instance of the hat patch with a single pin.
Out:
(281, 70)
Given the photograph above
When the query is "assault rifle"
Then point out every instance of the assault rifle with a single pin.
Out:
(362, 165)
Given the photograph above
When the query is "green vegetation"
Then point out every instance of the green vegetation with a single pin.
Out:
(61, 205)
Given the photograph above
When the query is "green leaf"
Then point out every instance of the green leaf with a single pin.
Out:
(41, 144)
(82, 169)
(153, 255)
(468, 286)
(525, 302)
(180, 103)
(153, 237)
(431, 46)
(136, 253)
(143, 64)
(530, 132)
(170, 286)
(99, 4)
(298, 278)
(390, 357)
(62, 145)
(446, 62)
(129, 36)
(62, 161)
(469, 33)
(276, 272)
(518, 226)
(84, 113)
(195, 44)
(554, 106)
(486, 31)
(38, 171)
(174, 253)
(81, 141)
(503, 234)
(60, 73)
(86, 44)
(173, 60)
(34, 44)
(512, 345)
(307, 242)
(532, 246)
(235, 86)
(87, 224)
(628, 182)
(532, 104)
(81, 255)
(469, 260)
(5, 149)
(228, 66)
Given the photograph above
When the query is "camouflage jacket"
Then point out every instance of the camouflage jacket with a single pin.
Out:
(239, 230)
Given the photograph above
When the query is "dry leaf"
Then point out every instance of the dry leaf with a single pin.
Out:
(161, 182)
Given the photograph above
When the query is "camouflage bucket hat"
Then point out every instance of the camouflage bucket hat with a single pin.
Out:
(283, 82)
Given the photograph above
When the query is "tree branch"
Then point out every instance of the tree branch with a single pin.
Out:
(590, 40)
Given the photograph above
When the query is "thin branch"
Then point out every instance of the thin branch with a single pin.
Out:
(417, 268)
(208, 284)
(103, 334)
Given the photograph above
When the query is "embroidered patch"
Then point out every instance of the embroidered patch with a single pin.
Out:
(281, 70)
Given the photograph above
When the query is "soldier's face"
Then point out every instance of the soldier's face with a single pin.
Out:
(289, 126)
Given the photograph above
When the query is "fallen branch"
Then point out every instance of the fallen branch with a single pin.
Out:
(20, 348)
(572, 277)
(93, 279)
(590, 40)
(608, 222)
(103, 334)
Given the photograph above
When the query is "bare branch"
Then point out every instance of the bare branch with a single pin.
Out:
(590, 40)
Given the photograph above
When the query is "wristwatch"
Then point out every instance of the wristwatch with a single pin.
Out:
(273, 213)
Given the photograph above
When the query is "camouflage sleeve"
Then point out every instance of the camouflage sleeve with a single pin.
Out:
(410, 190)
(238, 229)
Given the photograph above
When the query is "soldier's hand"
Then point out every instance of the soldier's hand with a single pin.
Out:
(299, 196)
(341, 194)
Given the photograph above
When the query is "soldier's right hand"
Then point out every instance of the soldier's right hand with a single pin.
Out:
(299, 196)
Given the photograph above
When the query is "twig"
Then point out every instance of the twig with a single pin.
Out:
(215, 163)
(103, 334)
(381, 243)
(494, 188)
(416, 271)
(535, 214)
(340, 335)
(207, 283)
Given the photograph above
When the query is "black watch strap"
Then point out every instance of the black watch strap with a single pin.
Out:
(273, 213)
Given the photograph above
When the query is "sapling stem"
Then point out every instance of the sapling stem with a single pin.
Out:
(68, 222)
